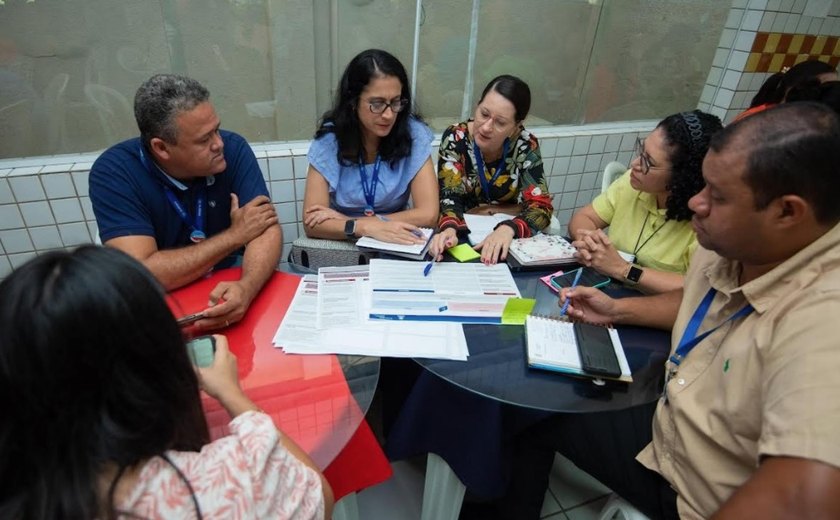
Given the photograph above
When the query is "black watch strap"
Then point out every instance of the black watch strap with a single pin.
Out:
(350, 228)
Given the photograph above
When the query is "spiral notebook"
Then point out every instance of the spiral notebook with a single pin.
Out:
(412, 252)
(542, 250)
(552, 344)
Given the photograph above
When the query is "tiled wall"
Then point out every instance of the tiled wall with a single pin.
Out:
(44, 201)
(731, 84)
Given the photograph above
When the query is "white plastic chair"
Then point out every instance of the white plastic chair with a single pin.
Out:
(618, 506)
(612, 171)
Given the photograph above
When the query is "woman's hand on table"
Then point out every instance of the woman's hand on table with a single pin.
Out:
(441, 242)
(588, 304)
(221, 381)
(495, 246)
(595, 250)
(392, 231)
(317, 214)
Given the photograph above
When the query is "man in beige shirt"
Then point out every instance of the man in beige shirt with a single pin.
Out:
(749, 423)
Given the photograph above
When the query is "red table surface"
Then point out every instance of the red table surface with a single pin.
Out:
(307, 396)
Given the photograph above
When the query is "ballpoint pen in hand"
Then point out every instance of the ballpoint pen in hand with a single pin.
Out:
(415, 232)
(574, 284)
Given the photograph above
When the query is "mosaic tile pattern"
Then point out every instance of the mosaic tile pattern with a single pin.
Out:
(773, 51)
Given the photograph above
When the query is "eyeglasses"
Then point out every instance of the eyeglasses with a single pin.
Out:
(378, 106)
(644, 159)
(481, 117)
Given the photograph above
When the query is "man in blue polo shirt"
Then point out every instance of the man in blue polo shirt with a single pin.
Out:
(186, 197)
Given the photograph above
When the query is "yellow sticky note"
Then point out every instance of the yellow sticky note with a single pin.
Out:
(516, 310)
(463, 253)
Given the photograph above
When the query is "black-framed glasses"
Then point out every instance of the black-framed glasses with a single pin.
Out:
(644, 158)
(378, 106)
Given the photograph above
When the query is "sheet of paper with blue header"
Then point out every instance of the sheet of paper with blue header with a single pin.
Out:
(467, 293)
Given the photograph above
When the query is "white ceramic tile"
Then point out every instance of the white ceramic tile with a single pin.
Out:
(280, 168)
(6, 196)
(45, 237)
(703, 106)
(613, 142)
(286, 212)
(555, 184)
(567, 201)
(773, 5)
(738, 60)
(628, 142)
(548, 147)
(757, 4)
(581, 145)
(19, 259)
(727, 38)
(786, 6)
(792, 22)
(5, 267)
(74, 234)
(300, 165)
(36, 213)
(758, 80)
(16, 241)
(565, 146)
(751, 20)
(719, 61)
(739, 3)
(593, 163)
(82, 166)
(27, 188)
(587, 182)
(730, 79)
(548, 165)
(572, 184)
(723, 98)
(572, 486)
(58, 185)
(715, 75)
(282, 191)
(23, 171)
(597, 144)
(744, 40)
(744, 82)
(561, 166)
(803, 25)
(94, 232)
(733, 21)
(576, 164)
(605, 160)
(300, 188)
(290, 232)
(67, 210)
(87, 208)
(56, 168)
(624, 157)
(80, 180)
(707, 95)
(10, 217)
(263, 165)
(816, 26)
(767, 21)
(779, 22)
(799, 6)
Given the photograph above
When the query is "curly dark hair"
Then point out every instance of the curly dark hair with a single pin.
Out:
(343, 121)
(687, 135)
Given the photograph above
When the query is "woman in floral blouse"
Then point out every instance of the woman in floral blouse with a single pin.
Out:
(491, 164)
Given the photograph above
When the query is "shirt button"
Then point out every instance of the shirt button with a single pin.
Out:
(681, 381)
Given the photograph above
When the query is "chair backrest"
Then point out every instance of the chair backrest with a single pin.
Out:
(612, 171)
(115, 113)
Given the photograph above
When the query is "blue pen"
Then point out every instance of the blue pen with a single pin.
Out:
(416, 232)
(428, 269)
(574, 284)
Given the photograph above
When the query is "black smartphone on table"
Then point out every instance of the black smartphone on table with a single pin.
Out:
(588, 278)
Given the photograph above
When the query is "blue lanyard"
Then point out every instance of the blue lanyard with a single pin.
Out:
(369, 189)
(690, 339)
(479, 164)
(196, 226)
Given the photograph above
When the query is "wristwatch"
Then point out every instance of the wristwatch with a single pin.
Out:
(350, 228)
(634, 274)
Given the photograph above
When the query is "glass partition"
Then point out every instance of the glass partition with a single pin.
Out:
(69, 70)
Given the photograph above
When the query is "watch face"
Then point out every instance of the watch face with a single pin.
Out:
(350, 228)
(635, 274)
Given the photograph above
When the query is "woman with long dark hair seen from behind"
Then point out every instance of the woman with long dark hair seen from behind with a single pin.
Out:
(370, 154)
(776, 88)
(102, 414)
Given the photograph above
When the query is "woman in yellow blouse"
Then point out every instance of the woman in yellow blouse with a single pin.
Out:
(647, 208)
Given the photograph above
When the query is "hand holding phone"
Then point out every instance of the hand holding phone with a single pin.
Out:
(189, 319)
(202, 350)
(588, 278)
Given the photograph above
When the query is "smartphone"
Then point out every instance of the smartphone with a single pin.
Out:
(190, 319)
(201, 350)
(588, 278)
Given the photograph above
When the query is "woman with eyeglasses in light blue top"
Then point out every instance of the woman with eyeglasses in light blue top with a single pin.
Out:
(370, 154)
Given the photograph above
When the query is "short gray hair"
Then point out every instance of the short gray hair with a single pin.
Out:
(159, 101)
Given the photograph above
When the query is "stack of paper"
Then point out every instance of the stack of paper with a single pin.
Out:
(482, 225)
(336, 302)
(413, 251)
